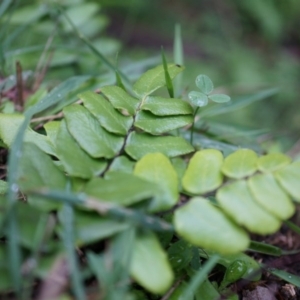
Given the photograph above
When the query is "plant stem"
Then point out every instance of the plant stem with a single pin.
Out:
(193, 126)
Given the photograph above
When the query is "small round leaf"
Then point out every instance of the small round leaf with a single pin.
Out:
(219, 98)
(204, 84)
(198, 99)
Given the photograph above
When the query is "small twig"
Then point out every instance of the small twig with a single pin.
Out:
(47, 118)
(172, 289)
(40, 74)
(19, 86)
(295, 150)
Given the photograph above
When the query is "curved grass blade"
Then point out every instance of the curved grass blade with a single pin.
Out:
(169, 83)
(92, 47)
(68, 237)
(4, 6)
(104, 208)
(288, 277)
(52, 98)
(200, 277)
(293, 226)
(238, 103)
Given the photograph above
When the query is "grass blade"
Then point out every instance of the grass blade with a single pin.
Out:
(14, 252)
(168, 79)
(288, 277)
(93, 48)
(238, 103)
(178, 58)
(293, 226)
(264, 248)
(105, 208)
(68, 237)
(4, 6)
(199, 277)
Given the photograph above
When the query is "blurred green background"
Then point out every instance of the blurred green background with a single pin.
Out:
(243, 46)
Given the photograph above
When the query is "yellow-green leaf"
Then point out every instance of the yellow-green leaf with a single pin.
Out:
(154, 79)
(289, 179)
(158, 125)
(37, 170)
(150, 266)
(272, 162)
(167, 106)
(240, 163)
(236, 200)
(203, 173)
(271, 196)
(157, 168)
(140, 144)
(120, 188)
(120, 99)
(112, 120)
(9, 126)
(75, 161)
(89, 134)
(204, 225)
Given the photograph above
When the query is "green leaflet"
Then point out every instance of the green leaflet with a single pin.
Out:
(154, 79)
(272, 162)
(140, 144)
(51, 130)
(252, 273)
(204, 84)
(166, 107)
(236, 200)
(122, 163)
(198, 99)
(91, 227)
(180, 254)
(89, 134)
(271, 196)
(233, 273)
(75, 161)
(149, 265)
(120, 99)
(109, 118)
(240, 164)
(120, 188)
(157, 168)
(203, 173)
(37, 170)
(9, 126)
(219, 98)
(204, 225)
(158, 125)
(289, 178)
